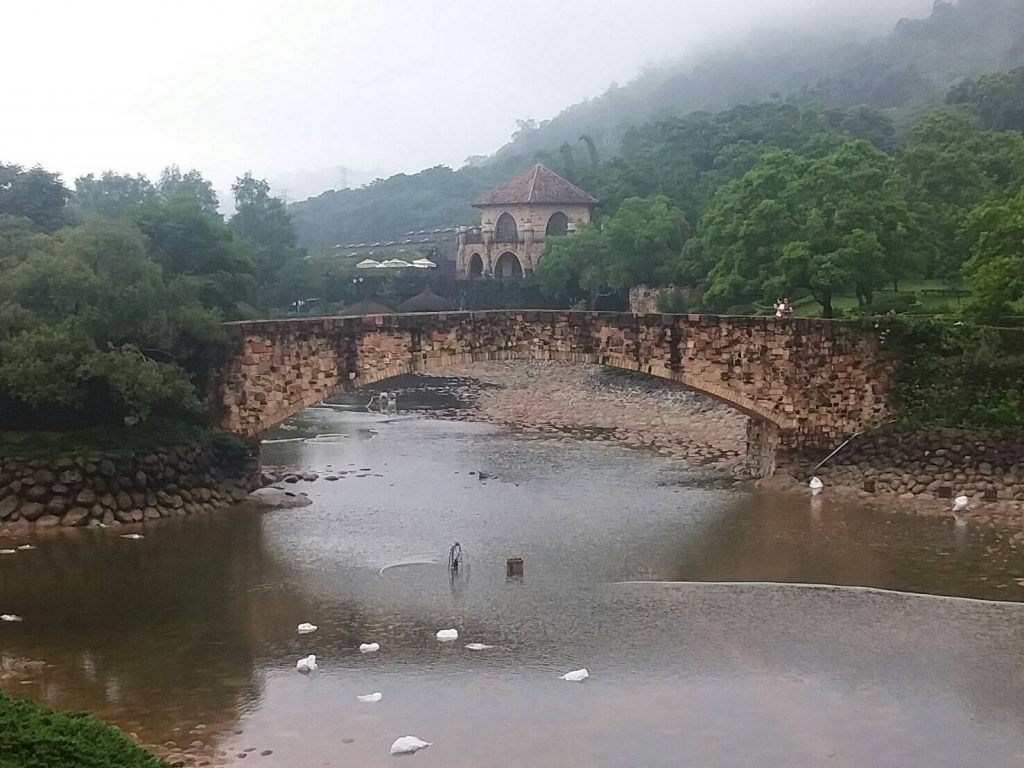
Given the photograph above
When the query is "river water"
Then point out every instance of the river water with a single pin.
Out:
(689, 602)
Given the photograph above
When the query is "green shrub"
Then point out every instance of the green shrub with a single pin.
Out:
(958, 375)
(32, 736)
(889, 303)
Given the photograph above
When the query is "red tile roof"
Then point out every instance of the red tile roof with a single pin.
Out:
(536, 184)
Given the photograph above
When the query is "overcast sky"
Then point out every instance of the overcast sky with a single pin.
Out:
(295, 89)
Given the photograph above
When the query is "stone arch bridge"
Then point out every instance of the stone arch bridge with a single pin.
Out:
(804, 383)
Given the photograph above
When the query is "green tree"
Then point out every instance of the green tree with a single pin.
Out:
(198, 249)
(263, 224)
(572, 268)
(19, 239)
(174, 184)
(997, 99)
(826, 225)
(35, 194)
(995, 271)
(949, 166)
(112, 195)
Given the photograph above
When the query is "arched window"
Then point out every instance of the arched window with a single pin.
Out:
(505, 230)
(508, 266)
(476, 265)
(558, 225)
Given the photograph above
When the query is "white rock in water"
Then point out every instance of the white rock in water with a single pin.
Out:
(406, 745)
(10, 617)
(25, 547)
(371, 698)
(8, 551)
(307, 664)
(961, 503)
(278, 499)
(305, 628)
(132, 536)
(369, 647)
(478, 646)
(447, 635)
(576, 676)
(816, 485)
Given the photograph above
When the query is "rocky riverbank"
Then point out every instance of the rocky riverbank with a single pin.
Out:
(595, 403)
(112, 488)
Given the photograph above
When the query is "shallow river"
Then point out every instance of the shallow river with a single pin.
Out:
(188, 635)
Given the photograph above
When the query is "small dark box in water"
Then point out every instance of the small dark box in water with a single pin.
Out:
(945, 491)
(514, 567)
(869, 486)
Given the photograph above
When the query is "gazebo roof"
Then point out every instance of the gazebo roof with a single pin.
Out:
(537, 185)
(366, 307)
(427, 301)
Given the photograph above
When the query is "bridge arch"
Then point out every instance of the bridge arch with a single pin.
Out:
(476, 265)
(804, 383)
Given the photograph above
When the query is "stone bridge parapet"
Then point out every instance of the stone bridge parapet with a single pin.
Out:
(805, 383)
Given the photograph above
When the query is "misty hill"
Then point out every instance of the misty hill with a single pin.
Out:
(904, 73)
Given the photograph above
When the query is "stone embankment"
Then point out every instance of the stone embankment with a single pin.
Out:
(114, 489)
(603, 404)
(925, 469)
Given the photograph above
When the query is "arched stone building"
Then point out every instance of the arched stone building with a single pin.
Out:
(515, 220)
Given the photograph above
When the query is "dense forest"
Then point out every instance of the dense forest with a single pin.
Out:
(901, 75)
(112, 294)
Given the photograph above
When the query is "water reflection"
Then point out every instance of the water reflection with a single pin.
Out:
(196, 623)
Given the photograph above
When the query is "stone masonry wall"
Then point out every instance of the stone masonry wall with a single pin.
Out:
(815, 381)
(113, 489)
(937, 463)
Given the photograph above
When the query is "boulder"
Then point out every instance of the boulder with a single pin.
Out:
(37, 493)
(7, 507)
(71, 476)
(56, 506)
(86, 497)
(48, 521)
(75, 516)
(271, 498)
(33, 510)
(124, 500)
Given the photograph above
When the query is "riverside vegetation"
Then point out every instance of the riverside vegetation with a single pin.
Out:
(36, 737)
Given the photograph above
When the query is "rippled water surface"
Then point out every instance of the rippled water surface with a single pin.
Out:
(195, 624)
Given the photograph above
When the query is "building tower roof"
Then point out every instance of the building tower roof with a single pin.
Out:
(536, 184)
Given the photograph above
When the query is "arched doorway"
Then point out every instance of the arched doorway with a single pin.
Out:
(476, 265)
(508, 266)
(505, 230)
(558, 225)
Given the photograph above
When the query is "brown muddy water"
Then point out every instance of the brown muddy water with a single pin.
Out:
(187, 638)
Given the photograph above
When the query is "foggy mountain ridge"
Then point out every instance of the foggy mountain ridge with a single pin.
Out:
(904, 73)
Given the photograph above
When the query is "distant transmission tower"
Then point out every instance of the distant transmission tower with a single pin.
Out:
(284, 196)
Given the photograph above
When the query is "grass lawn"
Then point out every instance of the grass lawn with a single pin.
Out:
(928, 301)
